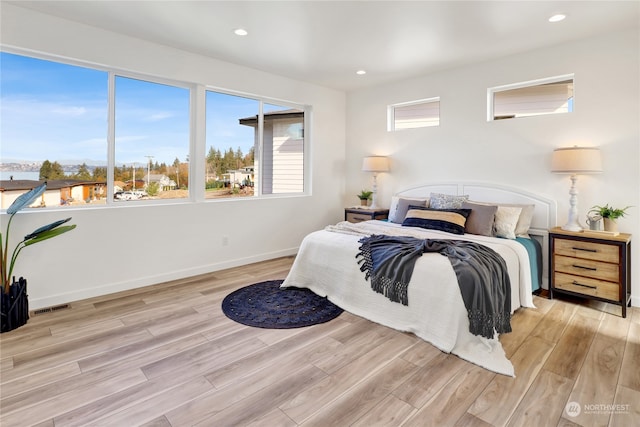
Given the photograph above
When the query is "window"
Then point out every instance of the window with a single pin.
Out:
(53, 128)
(93, 133)
(230, 146)
(151, 140)
(253, 147)
(414, 114)
(547, 96)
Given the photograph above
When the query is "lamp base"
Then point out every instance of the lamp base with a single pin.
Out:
(572, 227)
(572, 222)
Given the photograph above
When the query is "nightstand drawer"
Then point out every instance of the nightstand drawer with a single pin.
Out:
(587, 268)
(354, 217)
(588, 250)
(586, 286)
(359, 215)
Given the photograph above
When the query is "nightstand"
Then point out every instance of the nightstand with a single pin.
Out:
(358, 215)
(590, 265)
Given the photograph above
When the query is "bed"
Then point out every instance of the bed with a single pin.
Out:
(326, 264)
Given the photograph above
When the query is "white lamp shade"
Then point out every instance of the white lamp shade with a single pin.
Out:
(576, 160)
(375, 164)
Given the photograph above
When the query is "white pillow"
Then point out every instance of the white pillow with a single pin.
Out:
(506, 220)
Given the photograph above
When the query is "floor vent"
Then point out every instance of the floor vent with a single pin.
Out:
(50, 309)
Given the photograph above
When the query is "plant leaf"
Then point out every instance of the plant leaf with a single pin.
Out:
(46, 228)
(49, 234)
(27, 198)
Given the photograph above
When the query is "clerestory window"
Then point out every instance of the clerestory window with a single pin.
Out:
(414, 114)
(553, 95)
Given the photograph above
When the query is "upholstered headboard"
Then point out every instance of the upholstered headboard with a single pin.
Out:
(544, 216)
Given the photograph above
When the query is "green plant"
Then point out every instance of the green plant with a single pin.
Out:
(365, 195)
(610, 212)
(43, 233)
(153, 188)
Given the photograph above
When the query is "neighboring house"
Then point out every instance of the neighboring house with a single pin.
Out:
(283, 148)
(118, 186)
(242, 177)
(164, 182)
(59, 192)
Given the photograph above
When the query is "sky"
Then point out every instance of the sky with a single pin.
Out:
(58, 112)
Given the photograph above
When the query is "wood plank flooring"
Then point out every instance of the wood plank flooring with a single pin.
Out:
(166, 355)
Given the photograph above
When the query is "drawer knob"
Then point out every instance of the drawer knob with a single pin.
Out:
(583, 285)
(584, 268)
(584, 249)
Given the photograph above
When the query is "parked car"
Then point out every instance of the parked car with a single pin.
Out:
(128, 195)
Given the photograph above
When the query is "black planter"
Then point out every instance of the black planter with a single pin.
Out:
(15, 305)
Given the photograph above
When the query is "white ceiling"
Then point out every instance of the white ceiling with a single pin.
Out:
(326, 42)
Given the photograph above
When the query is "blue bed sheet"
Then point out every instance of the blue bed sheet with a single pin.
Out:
(534, 249)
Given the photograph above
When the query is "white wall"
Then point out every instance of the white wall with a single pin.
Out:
(514, 152)
(129, 246)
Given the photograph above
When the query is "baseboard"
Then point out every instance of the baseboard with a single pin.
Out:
(63, 298)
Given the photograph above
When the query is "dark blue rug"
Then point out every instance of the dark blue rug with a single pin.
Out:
(266, 305)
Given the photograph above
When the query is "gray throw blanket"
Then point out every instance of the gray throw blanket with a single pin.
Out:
(481, 272)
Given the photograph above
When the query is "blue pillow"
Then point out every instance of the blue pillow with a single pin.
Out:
(449, 220)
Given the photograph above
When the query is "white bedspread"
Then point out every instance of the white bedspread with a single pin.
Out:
(326, 264)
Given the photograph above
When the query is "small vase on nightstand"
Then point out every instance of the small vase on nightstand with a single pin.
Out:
(610, 225)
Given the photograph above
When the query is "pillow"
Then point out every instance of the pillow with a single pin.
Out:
(481, 218)
(400, 206)
(446, 201)
(506, 220)
(524, 221)
(449, 220)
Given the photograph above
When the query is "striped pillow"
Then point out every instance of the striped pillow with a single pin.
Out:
(449, 220)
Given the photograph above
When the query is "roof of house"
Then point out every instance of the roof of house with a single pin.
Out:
(54, 184)
(272, 115)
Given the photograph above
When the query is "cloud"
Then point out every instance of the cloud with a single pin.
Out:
(69, 111)
(156, 117)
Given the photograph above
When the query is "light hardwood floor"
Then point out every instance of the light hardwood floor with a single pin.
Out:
(166, 356)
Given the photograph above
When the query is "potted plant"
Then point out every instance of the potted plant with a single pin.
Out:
(610, 215)
(364, 197)
(13, 298)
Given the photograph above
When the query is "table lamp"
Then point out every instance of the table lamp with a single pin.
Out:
(375, 164)
(575, 161)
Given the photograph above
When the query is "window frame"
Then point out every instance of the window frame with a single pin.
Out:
(111, 136)
(197, 129)
(259, 152)
(391, 113)
(530, 83)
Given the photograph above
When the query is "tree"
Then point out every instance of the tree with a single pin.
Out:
(152, 188)
(100, 173)
(228, 161)
(250, 157)
(83, 173)
(49, 171)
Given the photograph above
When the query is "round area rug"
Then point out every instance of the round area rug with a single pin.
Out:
(266, 305)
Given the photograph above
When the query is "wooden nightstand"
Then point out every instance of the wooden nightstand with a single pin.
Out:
(357, 215)
(590, 265)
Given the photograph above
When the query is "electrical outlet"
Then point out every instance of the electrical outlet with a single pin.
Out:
(225, 240)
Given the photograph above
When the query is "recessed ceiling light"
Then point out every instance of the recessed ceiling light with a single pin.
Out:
(361, 72)
(240, 32)
(557, 18)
